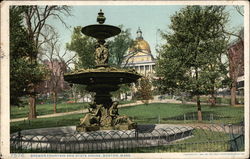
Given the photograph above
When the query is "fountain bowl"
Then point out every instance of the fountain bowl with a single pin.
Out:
(110, 75)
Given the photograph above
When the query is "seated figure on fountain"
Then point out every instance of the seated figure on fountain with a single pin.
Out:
(113, 112)
(116, 119)
(94, 115)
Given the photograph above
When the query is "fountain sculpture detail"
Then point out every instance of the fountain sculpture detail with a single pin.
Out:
(103, 79)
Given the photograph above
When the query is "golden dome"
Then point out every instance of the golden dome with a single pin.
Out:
(140, 45)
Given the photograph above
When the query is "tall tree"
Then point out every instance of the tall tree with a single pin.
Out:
(193, 51)
(119, 46)
(84, 47)
(144, 90)
(36, 20)
(55, 61)
(21, 68)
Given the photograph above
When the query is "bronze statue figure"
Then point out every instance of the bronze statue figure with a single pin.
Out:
(101, 54)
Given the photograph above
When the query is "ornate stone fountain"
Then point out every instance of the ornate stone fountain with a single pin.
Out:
(103, 79)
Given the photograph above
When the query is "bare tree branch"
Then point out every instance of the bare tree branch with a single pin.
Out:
(129, 57)
(240, 10)
(37, 16)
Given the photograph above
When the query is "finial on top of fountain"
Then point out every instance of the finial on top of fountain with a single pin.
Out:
(101, 18)
(101, 31)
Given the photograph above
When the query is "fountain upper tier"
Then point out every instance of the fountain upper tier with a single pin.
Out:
(101, 31)
(103, 73)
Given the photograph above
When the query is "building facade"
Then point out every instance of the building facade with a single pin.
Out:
(139, 56)
(54, 81)
(236, 64)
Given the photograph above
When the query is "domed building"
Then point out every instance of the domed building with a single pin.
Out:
(139, 56)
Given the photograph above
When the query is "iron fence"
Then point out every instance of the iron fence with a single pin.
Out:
(146, 138)
(209, 117)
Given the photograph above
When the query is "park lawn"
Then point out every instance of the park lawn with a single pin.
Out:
(198, 142)
(174, 113)
(211, 142)
(66, 120)
(43, 109)
(142, 114)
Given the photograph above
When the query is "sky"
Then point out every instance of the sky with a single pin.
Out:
(150, 18)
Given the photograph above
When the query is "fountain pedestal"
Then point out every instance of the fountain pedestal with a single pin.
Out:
(103, 79)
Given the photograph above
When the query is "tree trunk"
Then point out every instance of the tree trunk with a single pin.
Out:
(213, 99)
(199, 108)
(54, 100)
(32, 102)
(183, 100)
(199, 115)
(32, 107)
(233, 94)
(126, 96)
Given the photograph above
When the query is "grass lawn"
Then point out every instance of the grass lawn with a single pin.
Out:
(211, 142)
(67, 120)
(147, 114)
(174, 113)
(43, 109)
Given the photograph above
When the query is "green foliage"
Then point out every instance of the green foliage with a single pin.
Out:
(144, 90)
(23, 70)
(124, 88)
(119, 46)
(84, 46)
(191, 59)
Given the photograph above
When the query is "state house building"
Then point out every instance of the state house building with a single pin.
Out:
(139, 56)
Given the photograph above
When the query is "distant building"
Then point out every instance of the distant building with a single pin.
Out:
(236, 63)
(54, 80)
(139, 56)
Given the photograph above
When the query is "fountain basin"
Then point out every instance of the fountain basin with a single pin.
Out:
(102, 76)
(67, 139)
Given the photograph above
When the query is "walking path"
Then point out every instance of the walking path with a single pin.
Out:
(86, 110)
